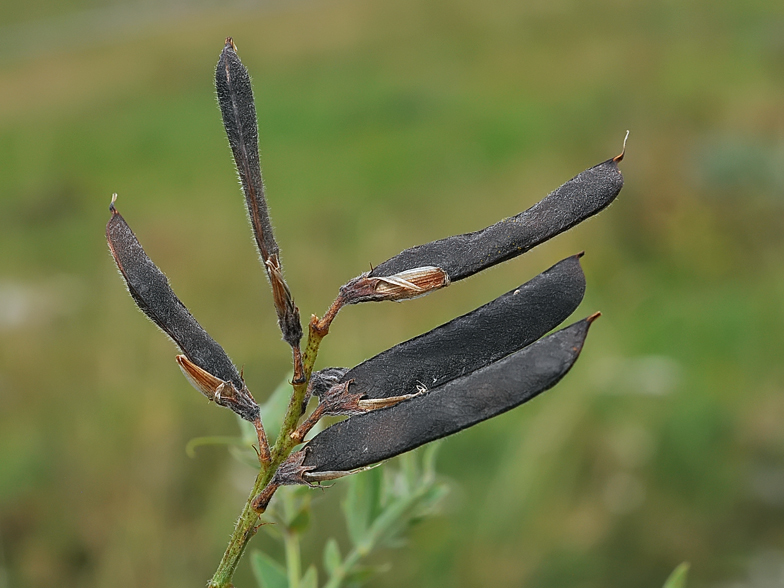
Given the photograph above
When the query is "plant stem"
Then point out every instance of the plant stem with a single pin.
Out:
(293, 564)
(246, 526)
(243, 531)
(292, 558)
(291, 542)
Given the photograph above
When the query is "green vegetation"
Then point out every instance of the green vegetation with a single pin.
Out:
(386, 124)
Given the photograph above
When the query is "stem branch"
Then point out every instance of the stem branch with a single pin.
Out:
(247, 526)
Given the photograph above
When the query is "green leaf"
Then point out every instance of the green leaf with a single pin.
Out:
(248, 431)
(677, 578)
(273, 530)
(429, 454)
(273, 411)
(332, 559)
(409, 469)
(246, 456)
(292, 508)
(190, 448)
(301, 522)
(398, 514)
(361, 574)
(268, 572)
(429, 501)
(363, 503)
(310, 579)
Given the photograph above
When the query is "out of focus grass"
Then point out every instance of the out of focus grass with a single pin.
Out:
(386, 124)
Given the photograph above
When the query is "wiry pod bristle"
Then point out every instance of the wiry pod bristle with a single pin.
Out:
(619, 157)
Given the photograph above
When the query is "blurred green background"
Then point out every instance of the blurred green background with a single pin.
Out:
(385, 124)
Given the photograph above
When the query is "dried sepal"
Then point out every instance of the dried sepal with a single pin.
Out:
(153, 295)
(401, 286)
(219, 391)
(340, 400)
(289, 473)
(320, 382)
(209, 385)
(292, 472)
(461, 256)
(288, 313)
(496, 388)
(318, 477)
(368, 404)
(235, 98)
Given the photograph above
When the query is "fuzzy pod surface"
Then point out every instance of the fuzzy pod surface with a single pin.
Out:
(235, 98)
(461, 256)
(369, 438)
(152, 293)
(466, 343)
(238, 110)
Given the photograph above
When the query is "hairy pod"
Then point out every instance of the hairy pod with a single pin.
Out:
(235, 98)
(496, 388)
(461, 256)
(152, 293)
(466, 343)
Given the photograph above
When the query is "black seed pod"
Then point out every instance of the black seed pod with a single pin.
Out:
(508, 323)
(369, 438)
(464, 255)
(153, 295)
(235, 98)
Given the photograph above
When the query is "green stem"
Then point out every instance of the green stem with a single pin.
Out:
(243, 531)
(246, 524)
(293, 564)
(291, 542)
(336, 579)
(284, 442)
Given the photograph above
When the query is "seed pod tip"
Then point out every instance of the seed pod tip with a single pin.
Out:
(593, 317)
(619, 157)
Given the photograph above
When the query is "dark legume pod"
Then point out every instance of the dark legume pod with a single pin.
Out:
(461, 256)
(508, 323)
(153, 295)
(235, 98)
(375, 436)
